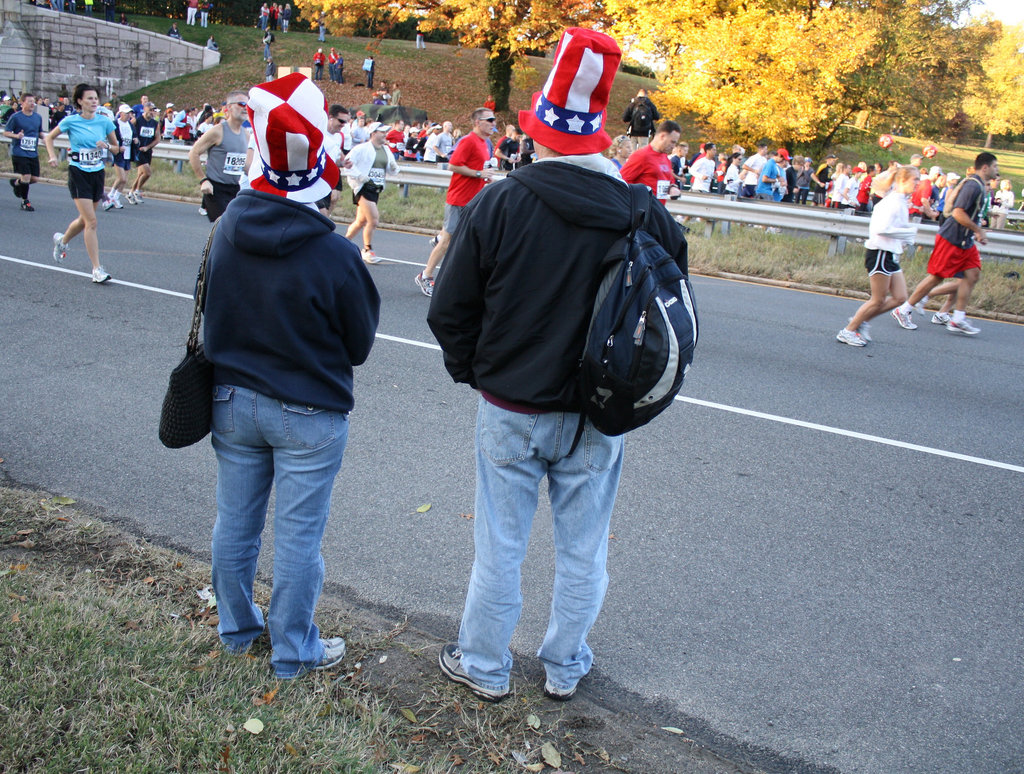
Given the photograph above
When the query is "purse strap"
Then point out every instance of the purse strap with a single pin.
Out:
(197, 314)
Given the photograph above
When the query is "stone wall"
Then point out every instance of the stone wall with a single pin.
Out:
(42, 50)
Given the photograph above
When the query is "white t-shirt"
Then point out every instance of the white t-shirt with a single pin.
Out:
(756, 163)
(332, 145)
(703, 171)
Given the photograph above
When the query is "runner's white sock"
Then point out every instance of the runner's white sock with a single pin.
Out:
(959, 315)
(905, 307)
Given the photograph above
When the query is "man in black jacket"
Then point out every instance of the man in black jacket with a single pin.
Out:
(641, 115)
(510, 309)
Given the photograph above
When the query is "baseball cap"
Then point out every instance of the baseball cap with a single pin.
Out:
(784, 153)
(377, 126)
(168, 105)
(123, 108)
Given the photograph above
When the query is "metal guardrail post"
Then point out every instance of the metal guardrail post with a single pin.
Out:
(405, 191)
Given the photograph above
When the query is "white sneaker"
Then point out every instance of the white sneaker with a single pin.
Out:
(118, 204)
(941, 318)
(107, 204)
(864, 330)
(99, 275)
(60, 250)
(904, 319)
(371, 257)
(919, 306)
(963, 327)
(852, 338)
(202, 211)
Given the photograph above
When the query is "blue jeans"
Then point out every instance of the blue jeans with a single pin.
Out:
(261, 441)
(513, 453)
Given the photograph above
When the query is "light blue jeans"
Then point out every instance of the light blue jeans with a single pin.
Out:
(513, 453)
(261, 442)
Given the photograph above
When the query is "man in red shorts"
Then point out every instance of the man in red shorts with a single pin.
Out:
(955, 249)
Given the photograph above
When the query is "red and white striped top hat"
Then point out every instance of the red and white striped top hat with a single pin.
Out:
(289, 120)
(568, 114)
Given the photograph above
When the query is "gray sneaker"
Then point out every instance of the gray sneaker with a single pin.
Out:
(450, 661)
(941, 318)
(334, 652)
(425, 284)
(963, 327)
(904, 319)
(558, 694)
(852, 338)
(864, 330)
(60, 250)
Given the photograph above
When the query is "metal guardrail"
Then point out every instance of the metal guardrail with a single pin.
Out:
(839, 225)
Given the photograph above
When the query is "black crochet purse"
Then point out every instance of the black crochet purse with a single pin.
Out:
(188, 404)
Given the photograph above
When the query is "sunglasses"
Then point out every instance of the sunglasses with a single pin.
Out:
(240, 104)
(492, 119)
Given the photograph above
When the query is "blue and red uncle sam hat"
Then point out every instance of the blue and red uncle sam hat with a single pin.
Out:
(568, 114)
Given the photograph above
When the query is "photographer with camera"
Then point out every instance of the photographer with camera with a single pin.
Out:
(641, 115)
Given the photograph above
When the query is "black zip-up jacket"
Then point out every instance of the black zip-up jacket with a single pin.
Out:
(515, 294)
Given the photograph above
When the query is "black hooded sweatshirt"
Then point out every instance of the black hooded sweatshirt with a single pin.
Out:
(514, 297)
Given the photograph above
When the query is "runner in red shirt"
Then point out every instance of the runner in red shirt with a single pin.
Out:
(468, 177)
(650, 165)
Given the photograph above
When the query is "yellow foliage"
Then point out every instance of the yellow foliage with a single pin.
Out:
(997, 99)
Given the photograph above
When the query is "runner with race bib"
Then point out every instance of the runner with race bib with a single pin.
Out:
(89, 135)
(224, 145)
(371, 161)
(24, 128)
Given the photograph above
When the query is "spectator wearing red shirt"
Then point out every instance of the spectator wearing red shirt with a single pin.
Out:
(318, 65)
(396, 139)
(650, 165)
(468, 178)
(921, 199)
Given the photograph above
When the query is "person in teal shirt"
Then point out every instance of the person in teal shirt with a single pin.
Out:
(91, 136)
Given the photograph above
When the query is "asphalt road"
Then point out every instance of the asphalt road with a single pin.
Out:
(817, 560)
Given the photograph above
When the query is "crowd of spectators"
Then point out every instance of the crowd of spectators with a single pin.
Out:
(766, 173)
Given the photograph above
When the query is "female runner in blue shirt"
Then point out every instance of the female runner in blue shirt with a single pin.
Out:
(89, 134)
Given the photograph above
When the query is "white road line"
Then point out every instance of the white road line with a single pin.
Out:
(682, 398)
(853, 434)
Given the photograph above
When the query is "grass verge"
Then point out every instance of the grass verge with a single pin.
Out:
(111, 661)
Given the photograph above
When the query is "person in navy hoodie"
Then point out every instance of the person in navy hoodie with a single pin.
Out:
(290, 309)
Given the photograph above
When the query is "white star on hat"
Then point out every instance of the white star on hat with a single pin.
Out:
(550, 116)
(313, 173)
(273, 177)
(596, 123)
(293, 179)
(575, 124)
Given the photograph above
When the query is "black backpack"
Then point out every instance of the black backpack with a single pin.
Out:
(642, 332)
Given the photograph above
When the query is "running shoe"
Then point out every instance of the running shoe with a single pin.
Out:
(202, 211)
(864, 330)
(108, 203)
(60, 250)
(99, 275)
(963, 327)
(14, 187)
(425, 284)
(334, 652)
(433, 241)
(904, 319)
(138, 198)
(450, 661)
(370, 257)
(27, 206)
(852, 338)
(118, 204)
(132, 197)
(919, 306)
(941, 318)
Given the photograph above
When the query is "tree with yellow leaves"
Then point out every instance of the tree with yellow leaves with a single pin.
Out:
(797, 70)
(996, 101)
(507, 31)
